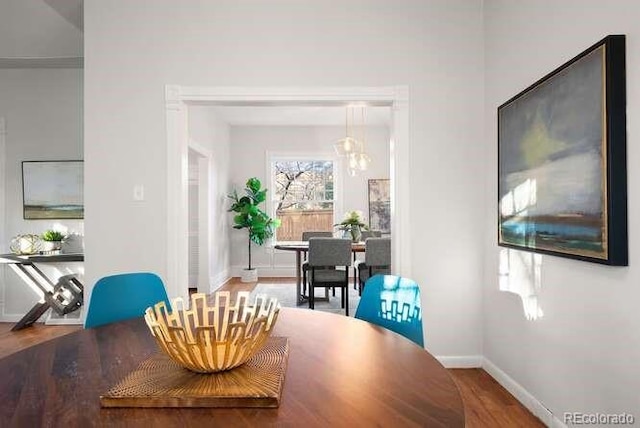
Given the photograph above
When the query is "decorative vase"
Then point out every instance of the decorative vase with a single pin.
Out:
(25, 244)
(50, 246)
(355, 234)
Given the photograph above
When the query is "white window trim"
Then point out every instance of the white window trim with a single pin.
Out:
(309, 155)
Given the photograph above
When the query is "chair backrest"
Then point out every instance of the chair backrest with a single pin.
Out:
(124, 296)
(377, 252)
(393, 302)
(316, 234)
(329, 252)
(366, 234)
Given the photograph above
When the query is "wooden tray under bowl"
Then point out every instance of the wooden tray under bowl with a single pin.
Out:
(160, 382)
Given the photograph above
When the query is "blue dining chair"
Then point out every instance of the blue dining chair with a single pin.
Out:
(393, 302)
(124, 296)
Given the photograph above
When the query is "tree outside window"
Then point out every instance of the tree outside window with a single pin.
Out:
(303, 196)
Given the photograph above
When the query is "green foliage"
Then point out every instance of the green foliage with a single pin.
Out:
(52, 235)
(352, 220)
(249, 216)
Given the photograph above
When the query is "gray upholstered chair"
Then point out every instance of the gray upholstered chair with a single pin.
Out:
(366, 234)
(305, 264)
(329, 262)
(377, 259)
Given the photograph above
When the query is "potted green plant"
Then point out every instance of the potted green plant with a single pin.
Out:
(352, 225)
(52, 240)
(249, 216)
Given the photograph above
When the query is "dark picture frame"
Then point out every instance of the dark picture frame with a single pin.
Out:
(380, 205)
(53, 189)
(562, 178)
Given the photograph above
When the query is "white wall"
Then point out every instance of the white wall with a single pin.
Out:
(43, 113)
(31, 28)
(582, 355)
(133, 49)
(209, 132)
(249, 148)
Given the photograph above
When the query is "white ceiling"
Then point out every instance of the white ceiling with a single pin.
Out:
(300, 115)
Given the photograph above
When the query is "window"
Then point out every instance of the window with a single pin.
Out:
(303, 197)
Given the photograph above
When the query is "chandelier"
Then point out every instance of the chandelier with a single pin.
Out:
(352, 148)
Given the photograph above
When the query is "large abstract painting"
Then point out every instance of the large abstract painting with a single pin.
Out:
(53, 189)
(380, 205)
(562, 160)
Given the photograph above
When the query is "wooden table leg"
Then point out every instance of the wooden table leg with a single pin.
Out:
(301, 297)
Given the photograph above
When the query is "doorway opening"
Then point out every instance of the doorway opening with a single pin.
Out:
(179, 98)
(198, 170)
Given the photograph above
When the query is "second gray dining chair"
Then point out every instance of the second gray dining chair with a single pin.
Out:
(329, 262)
(377, 260)
(305, 264)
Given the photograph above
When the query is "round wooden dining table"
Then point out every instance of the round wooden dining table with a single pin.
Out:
(341, 372)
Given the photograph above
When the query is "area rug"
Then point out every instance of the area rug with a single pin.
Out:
(286, 295)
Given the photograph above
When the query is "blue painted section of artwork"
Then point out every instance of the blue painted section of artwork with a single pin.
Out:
(567, 230)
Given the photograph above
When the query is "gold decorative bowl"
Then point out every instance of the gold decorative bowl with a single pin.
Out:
(211, 339)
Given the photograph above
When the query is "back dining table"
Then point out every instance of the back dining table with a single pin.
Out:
(341, 372)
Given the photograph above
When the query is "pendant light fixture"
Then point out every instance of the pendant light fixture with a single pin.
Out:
(348, 145)
(359, 160)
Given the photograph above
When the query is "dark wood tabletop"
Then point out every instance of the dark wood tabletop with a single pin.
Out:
(356, 247)
(341, 372)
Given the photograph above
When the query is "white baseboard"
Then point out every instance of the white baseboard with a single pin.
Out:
(64, 321)
(461, 362)
(522, 395)
(557, 423)
(219, 280)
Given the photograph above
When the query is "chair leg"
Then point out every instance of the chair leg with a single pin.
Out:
(333, 291)
(342, 289)
(345, 293)
(304, 281)
(311, 288)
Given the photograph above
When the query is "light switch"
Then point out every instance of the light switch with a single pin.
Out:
(138, 192)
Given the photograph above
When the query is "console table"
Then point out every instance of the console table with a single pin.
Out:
(63, 297)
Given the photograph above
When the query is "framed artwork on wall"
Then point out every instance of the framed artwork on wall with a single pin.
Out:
(562, 160)
(380, 205)
(53, 189)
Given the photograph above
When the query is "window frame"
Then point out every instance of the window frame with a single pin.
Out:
(308, 156)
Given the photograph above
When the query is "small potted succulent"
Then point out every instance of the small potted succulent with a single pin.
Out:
(352, 225)
(52, 240)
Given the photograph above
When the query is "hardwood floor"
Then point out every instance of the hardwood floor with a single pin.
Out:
(14, 341)
(487, 403)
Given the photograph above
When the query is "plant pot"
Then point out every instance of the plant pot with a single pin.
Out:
(354, 234)
(50, 246)
(249, 275)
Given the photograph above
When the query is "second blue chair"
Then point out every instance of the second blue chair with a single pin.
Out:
(393, 302)
(124, 296)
